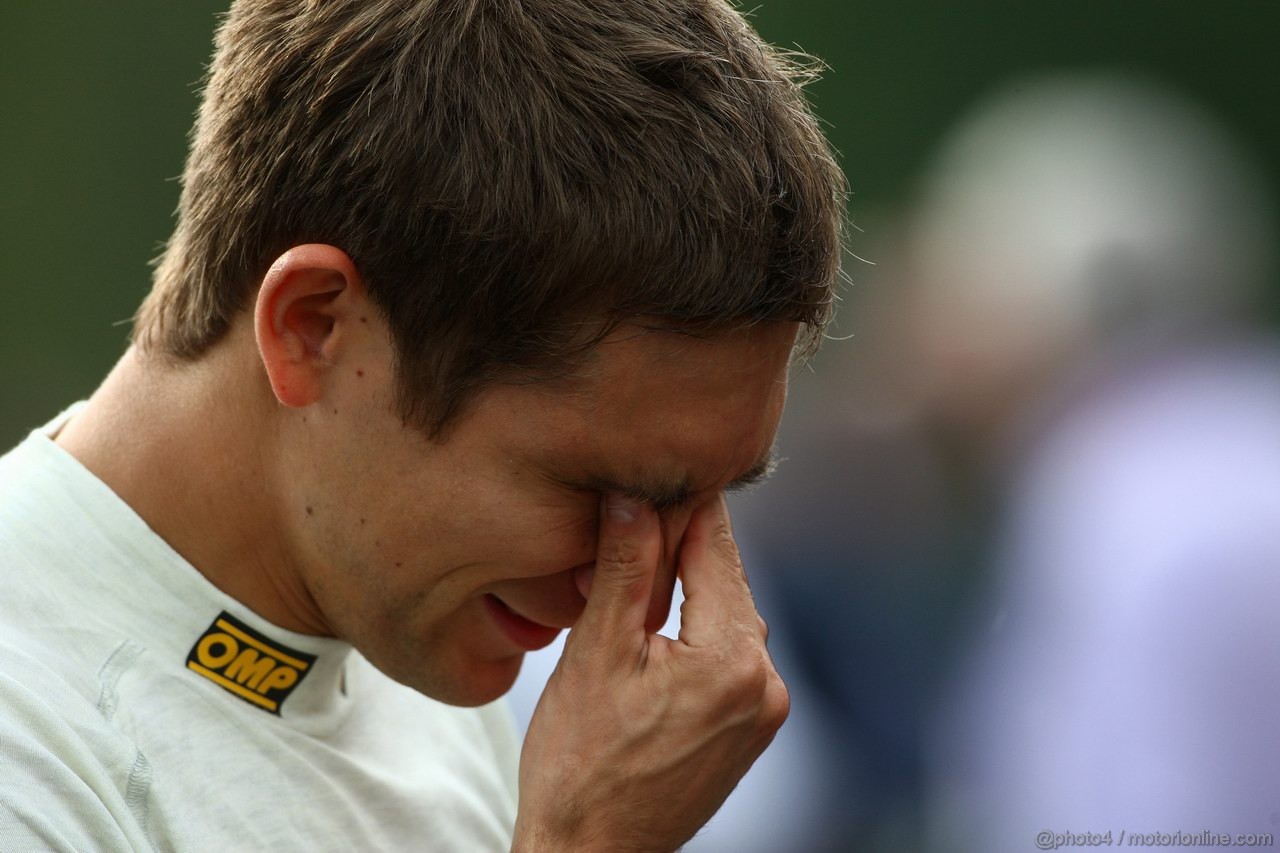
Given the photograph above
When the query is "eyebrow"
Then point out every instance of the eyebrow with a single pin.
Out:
(664, 494)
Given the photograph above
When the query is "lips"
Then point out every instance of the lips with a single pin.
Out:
(525, 633)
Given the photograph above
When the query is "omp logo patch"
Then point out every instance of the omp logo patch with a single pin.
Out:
(240, 660)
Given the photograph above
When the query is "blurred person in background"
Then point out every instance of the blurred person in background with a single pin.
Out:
(1087, 255)
(1087, 264)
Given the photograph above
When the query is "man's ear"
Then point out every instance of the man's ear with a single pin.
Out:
(302, 318)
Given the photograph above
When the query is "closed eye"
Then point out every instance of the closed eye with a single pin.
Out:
(756, 477)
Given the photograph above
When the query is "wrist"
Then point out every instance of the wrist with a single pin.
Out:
(543, 838)
(531, 841)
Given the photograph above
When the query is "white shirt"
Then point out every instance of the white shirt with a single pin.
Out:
(269, 740)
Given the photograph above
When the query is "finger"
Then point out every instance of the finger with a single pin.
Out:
(715, 585)
(664, 587)
(627, 557)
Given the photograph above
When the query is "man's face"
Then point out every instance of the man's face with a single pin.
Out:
(418, 553)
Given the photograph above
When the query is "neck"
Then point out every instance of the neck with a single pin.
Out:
(188, 448)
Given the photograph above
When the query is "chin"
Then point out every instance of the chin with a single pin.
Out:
(459, 661)
(467, 683)
(491, 681)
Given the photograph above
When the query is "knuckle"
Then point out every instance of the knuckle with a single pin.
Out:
(776, 706)
(743, 690)
(620, 553)
(749, 676)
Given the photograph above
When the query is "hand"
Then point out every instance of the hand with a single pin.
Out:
(638, 739)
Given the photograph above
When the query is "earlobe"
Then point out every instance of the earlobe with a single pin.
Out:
(298, 319)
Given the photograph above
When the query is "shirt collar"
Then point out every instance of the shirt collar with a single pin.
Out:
(150, 593)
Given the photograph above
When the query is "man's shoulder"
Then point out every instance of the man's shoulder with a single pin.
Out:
(53, 655)
(56, 702)
(70, 780)
(48, 633)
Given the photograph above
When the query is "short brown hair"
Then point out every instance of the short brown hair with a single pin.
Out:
(503, 173)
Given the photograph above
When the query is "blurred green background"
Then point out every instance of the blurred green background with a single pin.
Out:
(96, 100)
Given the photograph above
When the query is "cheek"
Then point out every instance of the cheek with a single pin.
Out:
(553, 533)
(563, 539)
(536, 540)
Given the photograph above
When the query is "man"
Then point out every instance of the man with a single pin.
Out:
(472, 312)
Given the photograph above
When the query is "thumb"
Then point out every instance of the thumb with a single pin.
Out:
(627, 556)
